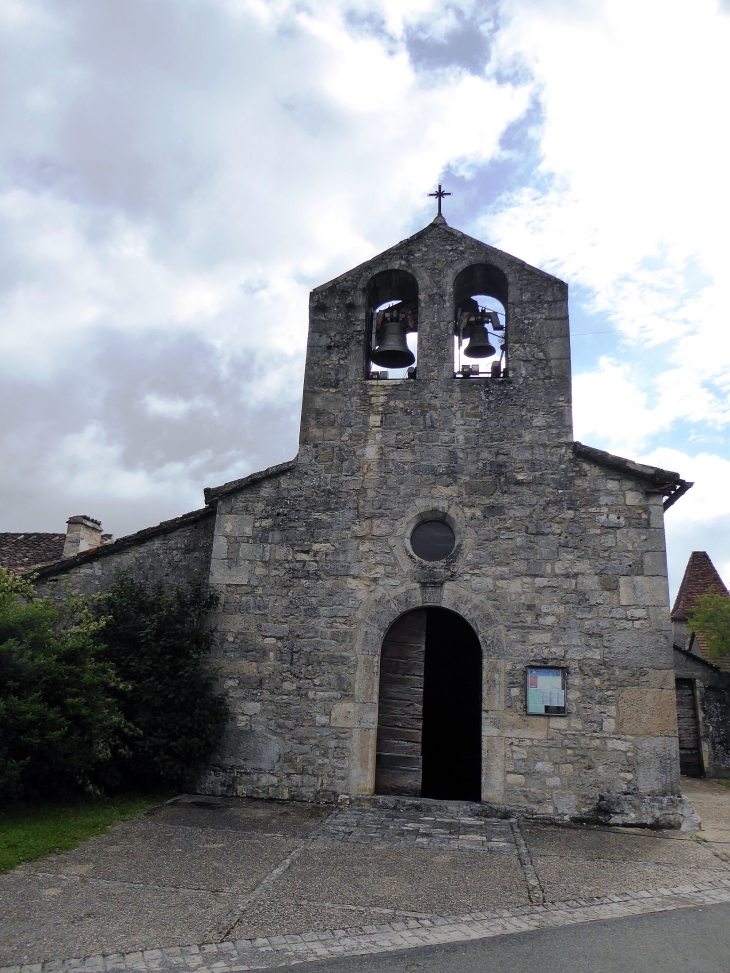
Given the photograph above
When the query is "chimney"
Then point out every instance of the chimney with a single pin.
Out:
(82, 533)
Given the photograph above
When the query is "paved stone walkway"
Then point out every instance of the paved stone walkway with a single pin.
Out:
(419, 829)
(277, 951)
(227, 885)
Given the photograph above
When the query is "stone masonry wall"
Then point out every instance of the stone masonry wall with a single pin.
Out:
(712, 688)
(173, 553)
(558, 561)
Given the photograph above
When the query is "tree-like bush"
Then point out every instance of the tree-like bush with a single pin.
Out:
(59, 715)
(710, 619)
(158, 643)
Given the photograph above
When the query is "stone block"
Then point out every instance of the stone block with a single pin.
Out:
(228, 572)
(234, 525)
(566, 803)
(274, 631)
(656, 517)
(253, 552)
(661, 678)
(362, 761)
(655, 563)
(643, 591)
(220, 547)
(523, 727)
(366, 680)
(657, 761)
(366, 715)
(343, 714)
(248, 749)
(493, 685)
(647, 712)
(493, 768)
(610, 520)
(637, 649)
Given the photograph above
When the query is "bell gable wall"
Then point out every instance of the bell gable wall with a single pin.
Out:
(559, 560)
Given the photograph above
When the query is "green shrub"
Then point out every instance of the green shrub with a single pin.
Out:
(158, 643)
(59, 716)
(710, 619)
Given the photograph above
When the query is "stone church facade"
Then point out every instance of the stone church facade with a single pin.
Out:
(354, 666)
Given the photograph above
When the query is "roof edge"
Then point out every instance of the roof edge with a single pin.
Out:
(666, 482)
(113, 547)
(212, 494)
(435, 224)
(696, 580)
(700, 658)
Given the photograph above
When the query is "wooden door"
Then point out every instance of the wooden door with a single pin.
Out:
(690, 756)
(398, 764)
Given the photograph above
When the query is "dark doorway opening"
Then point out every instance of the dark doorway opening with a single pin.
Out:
(688, 731)
(452, 709)
(429, 710)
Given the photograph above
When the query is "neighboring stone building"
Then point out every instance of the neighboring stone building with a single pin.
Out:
(700, 577)
(443, 594)
(32, 549)
(703, 688)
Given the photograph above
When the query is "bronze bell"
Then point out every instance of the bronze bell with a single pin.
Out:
(392, 350)
(479, 345)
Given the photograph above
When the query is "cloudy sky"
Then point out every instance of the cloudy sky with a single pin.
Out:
(176, 175)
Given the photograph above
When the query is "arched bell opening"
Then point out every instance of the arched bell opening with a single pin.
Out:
(392, 325)
(429, 708)
(480, 323)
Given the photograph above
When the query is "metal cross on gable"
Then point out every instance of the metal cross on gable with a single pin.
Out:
(439, 195)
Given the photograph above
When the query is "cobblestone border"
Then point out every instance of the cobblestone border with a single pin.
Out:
(278, 951)
(534, 888)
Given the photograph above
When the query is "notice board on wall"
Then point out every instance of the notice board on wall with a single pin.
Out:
(545, 691)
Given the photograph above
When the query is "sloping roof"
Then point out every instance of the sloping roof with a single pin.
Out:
(131, 540)
(21, 552)
(702, 659)
(56, 565)
(700, 576)
(669, 484)
(438, 224)
(215, 493)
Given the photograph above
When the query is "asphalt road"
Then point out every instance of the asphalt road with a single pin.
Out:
(681, 941)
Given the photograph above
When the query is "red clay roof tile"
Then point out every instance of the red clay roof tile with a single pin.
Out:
(700, 576)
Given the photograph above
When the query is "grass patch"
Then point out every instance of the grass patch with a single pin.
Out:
(32, 831)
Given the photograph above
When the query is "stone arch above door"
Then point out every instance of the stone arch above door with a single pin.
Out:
(429, 722)
(376, 615)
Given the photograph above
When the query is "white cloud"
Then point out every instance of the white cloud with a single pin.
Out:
(87, 465)
(633, 97)
(608, 405)
(271, 145)
(709, 498)
(700, 520)
(190, 170)
(173, 407)
(627, 404)
(631, 202)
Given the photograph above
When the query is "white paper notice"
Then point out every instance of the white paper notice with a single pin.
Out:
(544, 689)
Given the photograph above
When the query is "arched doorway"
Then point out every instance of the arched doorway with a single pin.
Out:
(429, 708)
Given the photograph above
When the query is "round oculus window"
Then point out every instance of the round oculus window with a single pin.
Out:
(433, 540)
